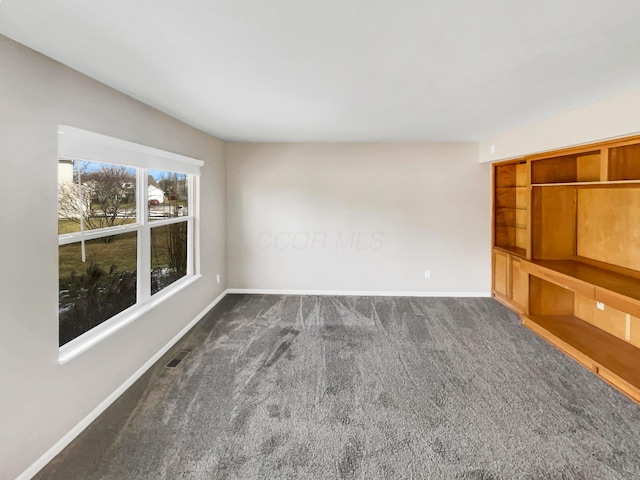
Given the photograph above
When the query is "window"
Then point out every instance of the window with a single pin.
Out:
(126, 232)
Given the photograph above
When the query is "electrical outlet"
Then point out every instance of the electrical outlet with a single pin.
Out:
(600, 305)
(427, 274)
(218, 277)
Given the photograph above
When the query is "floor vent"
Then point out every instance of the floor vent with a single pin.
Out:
(178, 358)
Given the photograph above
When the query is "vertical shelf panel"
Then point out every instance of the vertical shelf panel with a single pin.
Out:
(554, 220)
(588, 167)
(608, 226)
(522, 197)
(521, 218)
(604, 164)
(522, 177)
(522, 238)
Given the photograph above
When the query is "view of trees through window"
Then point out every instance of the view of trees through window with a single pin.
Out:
(108, 195)
(98, 205)
(96, 290)
(168, 255)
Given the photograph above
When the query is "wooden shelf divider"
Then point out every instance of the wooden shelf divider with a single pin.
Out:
(589, 184)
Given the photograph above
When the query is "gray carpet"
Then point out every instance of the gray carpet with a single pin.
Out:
(288, 387)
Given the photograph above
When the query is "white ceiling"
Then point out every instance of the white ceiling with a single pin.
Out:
(344, 70)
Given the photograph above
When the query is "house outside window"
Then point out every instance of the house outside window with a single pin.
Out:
(126, 233)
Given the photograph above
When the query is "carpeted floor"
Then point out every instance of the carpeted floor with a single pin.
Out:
(288, 387)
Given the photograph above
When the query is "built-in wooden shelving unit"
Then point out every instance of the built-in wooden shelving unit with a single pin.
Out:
(566, 230)
(511, 207)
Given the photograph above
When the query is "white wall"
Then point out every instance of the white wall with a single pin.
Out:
(293, 207)
(613, 117)
(40, 400)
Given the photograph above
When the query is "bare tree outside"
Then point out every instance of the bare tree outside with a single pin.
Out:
(112, 195)
(174, 185)
(108, 195)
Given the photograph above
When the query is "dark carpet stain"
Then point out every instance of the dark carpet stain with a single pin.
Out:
(274, 441)
(287, 336)
(385, 400)
(351, 459)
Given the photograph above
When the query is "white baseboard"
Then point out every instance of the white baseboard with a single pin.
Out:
(86, 421)
(263, 291)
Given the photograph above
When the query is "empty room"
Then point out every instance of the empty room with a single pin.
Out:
(298, 239)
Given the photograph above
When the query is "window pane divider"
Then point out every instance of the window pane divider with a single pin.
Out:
(144, 242)
(169, 221)
(81, 209)
(75, 237)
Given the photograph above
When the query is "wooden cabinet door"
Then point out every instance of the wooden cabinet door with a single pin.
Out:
(519, 286)
(500, 273)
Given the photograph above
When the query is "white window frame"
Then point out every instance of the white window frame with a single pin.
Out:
(83, 145)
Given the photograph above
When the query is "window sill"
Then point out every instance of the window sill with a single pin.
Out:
(94, 336)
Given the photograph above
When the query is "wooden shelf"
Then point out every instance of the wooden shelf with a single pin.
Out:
(588, 184)
(591, 347)
(520, 252)
(617, 290)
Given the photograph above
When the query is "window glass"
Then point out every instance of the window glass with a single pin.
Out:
(113, 255)
(167, 195)
(168, 255)
(108, 195)
(93, 291)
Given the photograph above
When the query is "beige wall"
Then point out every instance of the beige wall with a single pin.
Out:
(358, 217)
(40, 399)
(610, 118)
